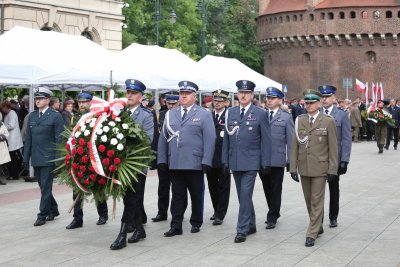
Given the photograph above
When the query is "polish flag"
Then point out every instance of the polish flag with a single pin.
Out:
(379, 92)
(360, 86)
(366, 94)
(374, 93)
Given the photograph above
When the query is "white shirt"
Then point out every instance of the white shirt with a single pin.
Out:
(134, 109)
(314, 117)
(219, 113)
(187, 112)
(329, 110)
(274, 112)
(246, 108)
(43, 111)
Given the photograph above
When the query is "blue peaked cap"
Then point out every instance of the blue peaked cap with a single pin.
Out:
(327, 90)
(135, 85)
(274, 92)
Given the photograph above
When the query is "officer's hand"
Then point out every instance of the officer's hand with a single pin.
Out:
(162, 166)
(342, 168)
(294, 176)
(265, 170)
(205, 167)
(288, 167)
(3, 137)
(25, 165)
(331, 177)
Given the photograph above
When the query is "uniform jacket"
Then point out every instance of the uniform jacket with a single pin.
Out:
(281, 133)
(395, 111)
(355, 117)
(343, 128)
(195, 144)
(250, 147)
(14, 138)
(219, 131)
(319, 156)
(4, 155)
(42, 134)
(144, 118)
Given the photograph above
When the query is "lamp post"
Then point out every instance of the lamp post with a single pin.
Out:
(159, 17)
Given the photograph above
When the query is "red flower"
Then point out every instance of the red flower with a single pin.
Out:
(82, 168)
(110, 153)
(102, 148)
(80, 150)
(73, 152)
(73, 141)
(82, 142)
(86, 182)
(106, 161)
(85, 159)
(92, 177)
(67, 147)
(75, 165)
(91, 168)
(66, 162)
(101, 181)
(80, 175)
(68, 157)
(112, 168)
(117, 161)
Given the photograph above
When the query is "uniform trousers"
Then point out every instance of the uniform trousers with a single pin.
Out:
(380, 133)
(272, 185)
(395, 132)
(164, 185)
(102, 208)
(182, 181)
(355, 133)
(48, 205)
(133, 202)
(219, 185)
(314, 192)
(334, 199)
(244, 181)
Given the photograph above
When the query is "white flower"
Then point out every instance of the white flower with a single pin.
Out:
(115, 130)
(113, 141)
(118, 119)
(83, 128)
(77, 134)
(120, 136)
(93, 119)
(99, 131)
(81, 124)
(120, 147)
(86, 133)
(111, 123)
(91, 125)
(125, 126)
(106, 129)
(103, 138)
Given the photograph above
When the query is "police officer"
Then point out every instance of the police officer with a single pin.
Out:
(246, 149)
(133, 199)
(218, 177)
(281, 124)
(84, 99)
(186, 146)
(44, 130)
(164, 176)
(343, 128)
(314, 155)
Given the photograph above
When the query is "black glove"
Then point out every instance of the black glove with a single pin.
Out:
(25, 165)
(205, 167)
(288, 167)
(331, 177)
(265, 170)
(342, 168)
(162, 166)
(294, 176)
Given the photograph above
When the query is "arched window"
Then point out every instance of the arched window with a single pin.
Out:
(364, 14)
(311, 17)
(398, 14)
(270, 21)
(370, 57)
(306, 58)
(46, 29)
(301, 17)
(87, 35)
(352, 14)
(270, 60)
(295, 18)
(275, 20)
(331, 16)
(322, 16)
(389, 14)
(341, 15)
(287, 19)
(280, 19)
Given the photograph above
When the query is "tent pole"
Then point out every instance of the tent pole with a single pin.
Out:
(157, 102)
(62, 94)
(31, 108)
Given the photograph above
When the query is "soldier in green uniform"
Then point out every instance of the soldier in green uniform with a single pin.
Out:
(314, 156)
(381, 126)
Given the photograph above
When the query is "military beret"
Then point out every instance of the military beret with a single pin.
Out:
(311, 95)
(41, 92)
(327, 90)
(187, 86)
(135, 85)
(172, 99)
(85, 96)
(274, 92)
(245, 85)
(220, 95)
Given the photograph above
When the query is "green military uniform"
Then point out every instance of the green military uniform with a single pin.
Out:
(314, 155)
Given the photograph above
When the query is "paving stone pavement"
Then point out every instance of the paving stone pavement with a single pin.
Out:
(368, 233)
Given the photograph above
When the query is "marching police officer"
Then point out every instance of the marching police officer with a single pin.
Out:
(246, 149)
(218, 177)
(84, 99)
(281, 124)
(343, 129)
(186, 147)
(45, 126)
(133, 199)
(314, 155)
(164, 176)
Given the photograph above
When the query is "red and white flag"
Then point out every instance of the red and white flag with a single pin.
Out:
(360, 86)
(366, 94)
(374, 94)
(379, 92)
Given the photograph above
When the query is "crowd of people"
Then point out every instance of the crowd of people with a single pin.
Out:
(310, 137)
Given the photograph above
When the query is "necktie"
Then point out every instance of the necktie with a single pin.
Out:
(242, 113)
(184, 114)
(271, 115)
(311, 121)
(216, 117)
(129, 112)
(40, 114)
(327, 111)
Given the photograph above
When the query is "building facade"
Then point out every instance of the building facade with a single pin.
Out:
(307, 43)
(97, 20)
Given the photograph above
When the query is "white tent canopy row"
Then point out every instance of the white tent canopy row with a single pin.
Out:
(33, 57)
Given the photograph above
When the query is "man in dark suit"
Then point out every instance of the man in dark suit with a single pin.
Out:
(246, 150)
(45, 126)
(186, 147)
(218, 177)
(298, 109)
(395, 112)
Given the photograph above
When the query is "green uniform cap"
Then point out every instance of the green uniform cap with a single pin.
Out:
(311, 95)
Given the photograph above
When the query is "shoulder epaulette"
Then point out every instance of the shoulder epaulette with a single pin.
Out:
(146, 109)
(302, 115)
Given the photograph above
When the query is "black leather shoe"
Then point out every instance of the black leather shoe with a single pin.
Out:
(252, 231)
(144, 220)
(102, 220)
(333, 223)
(74, 224)
(270, 225)
(217, 221)
(130, 229)
(395, 148)
(137, 236)
(173, 232)
(120, 242)
(310, 242)
(387, 147)
(240, 238)
(52, 216)
(159, 218)
(212, 218)
(195, 229)
(39, 222)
